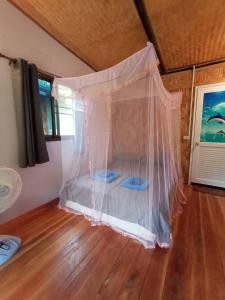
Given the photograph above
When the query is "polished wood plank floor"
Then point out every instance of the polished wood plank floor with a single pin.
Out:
(63, 257)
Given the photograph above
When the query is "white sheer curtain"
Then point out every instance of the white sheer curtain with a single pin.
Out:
(122, 165)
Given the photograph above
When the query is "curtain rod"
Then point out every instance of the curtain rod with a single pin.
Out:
(14, 60)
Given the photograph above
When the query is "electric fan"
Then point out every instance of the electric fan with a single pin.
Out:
(10, 188)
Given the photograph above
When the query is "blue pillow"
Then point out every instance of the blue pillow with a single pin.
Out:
(106, 176)
(135, 183)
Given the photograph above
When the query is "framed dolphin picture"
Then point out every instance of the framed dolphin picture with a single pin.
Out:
(213, 117)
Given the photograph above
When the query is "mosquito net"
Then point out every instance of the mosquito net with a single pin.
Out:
(121, 163)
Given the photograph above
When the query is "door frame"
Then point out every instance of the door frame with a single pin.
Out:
(194, 119)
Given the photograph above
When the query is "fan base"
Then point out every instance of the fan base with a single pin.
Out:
(9, 245)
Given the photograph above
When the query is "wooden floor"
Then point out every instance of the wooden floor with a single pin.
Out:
(63, 257)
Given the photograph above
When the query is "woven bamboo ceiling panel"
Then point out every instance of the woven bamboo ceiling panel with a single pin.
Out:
(188, 32)
(102, 33)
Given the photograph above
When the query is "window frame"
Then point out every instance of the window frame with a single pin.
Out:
(54, 136)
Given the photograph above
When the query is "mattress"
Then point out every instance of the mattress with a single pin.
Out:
(111, 198)
(124, 209)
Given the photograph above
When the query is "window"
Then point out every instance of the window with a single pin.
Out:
(71, 116)
(61, 117)
(65, 111)
(49, 108)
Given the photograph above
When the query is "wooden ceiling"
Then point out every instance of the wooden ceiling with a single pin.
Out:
(188, 32)
(100, 32)
(104, 32)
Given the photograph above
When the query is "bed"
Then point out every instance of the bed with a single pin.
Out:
(125, 109)
(122, 208)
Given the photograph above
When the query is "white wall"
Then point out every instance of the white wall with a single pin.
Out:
(20, 37)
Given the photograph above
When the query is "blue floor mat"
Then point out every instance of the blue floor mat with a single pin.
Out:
(106, 176)
(9, 245)
(135, 183)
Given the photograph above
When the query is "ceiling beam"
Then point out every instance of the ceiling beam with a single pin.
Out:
(140, 7)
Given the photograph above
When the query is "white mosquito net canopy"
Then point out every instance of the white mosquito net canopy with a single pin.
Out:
(121, 164)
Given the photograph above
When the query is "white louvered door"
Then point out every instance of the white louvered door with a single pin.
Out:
(207, 164)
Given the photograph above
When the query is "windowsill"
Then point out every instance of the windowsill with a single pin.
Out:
(67, 137)
(50, 138)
